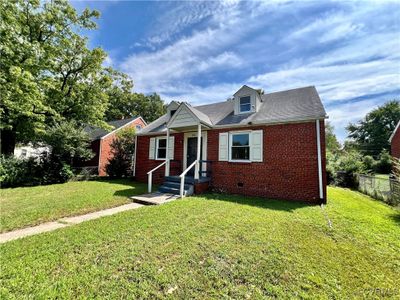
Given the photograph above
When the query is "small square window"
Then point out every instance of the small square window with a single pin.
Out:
(138, 127)
(245, 104)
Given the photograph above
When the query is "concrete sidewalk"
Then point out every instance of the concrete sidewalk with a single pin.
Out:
(64, 222)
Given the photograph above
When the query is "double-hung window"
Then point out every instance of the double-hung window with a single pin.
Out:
(161, 148)
(244, 104)
(240, 146)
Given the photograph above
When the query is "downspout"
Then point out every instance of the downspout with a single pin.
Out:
(134, 158)
(321, 190)
(98, 168)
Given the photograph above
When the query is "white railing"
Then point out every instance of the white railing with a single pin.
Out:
(150, 176)
(182, 176)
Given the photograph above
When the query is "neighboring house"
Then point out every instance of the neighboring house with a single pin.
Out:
(395, 142)
(269, 145)
(101, 141)
(29, 151)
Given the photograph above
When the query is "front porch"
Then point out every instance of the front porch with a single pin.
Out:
(188, 172)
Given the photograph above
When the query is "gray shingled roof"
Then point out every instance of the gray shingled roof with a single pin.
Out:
(278, 107)
(286, 106)
(96, 133)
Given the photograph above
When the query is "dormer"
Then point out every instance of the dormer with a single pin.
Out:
(171, 108)
(247, 100)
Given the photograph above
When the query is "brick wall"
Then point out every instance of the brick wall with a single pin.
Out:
(395, 144)
(105, 147)
(144, 164)
(289, 169)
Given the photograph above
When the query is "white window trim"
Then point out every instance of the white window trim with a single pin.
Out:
(156, 148)
(231, 134)
(239, 108)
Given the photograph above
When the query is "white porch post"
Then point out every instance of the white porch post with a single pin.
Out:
(197, 166)
(167, 155)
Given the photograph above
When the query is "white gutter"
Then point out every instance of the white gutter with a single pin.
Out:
(394, 132)
(321, 191)
(134, 157)
(249, 124)
(98, 168)
(116, 129)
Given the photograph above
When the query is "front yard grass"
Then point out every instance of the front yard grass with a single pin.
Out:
(215, 246)
(28, 206)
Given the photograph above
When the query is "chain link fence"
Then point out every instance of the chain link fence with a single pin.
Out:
(384, 189)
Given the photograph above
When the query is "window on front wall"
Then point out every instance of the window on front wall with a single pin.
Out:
(244, 104)
(138, 127)
(240, 146)
(161, 149)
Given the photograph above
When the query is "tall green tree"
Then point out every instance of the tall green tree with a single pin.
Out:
(47, 73)
(371, 134)
(332, 143)
(123, 103)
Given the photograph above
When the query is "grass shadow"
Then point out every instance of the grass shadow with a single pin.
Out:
(273, 204)
(396, 218)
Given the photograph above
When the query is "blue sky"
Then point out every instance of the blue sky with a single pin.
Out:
(202, 52)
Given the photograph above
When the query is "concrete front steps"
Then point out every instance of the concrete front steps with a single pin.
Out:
(172, 185)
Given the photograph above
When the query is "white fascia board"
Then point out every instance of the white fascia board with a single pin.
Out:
(394, 132)
(116, 129)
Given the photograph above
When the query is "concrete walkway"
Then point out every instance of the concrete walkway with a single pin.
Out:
(64, 222)
(156, 198)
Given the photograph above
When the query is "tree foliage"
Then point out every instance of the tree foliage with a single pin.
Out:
(124, 104)
(332, 143)
(371, 134)
(47, 72)
(122, 149)
(49, 76)
(68, 142)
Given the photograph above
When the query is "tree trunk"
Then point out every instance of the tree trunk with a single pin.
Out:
(7, 142)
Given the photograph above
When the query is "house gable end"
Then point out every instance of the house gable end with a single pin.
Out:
(183, 117)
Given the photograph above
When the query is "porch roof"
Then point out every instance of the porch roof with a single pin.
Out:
(187, 116)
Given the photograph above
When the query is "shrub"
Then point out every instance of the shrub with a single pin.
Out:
(16, 172)
(384, 164)
(122, 149)
(345, 166)
(369, 163)
(330, 167)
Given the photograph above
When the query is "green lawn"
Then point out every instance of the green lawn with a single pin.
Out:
(27, 206)
(215, 246)
(382, 176)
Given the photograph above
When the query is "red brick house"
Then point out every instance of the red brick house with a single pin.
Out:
(395, 142)
(101, 141)
(269, 145)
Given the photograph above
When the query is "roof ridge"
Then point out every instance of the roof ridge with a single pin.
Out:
(283, 91)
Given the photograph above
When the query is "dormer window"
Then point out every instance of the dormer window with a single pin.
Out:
(244, 104)
(173, 112)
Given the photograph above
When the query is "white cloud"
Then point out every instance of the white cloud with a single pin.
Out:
(336, 82)
(333, 27)
(341, 115)
(203, 51)
(363, 57)
(108, 61)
